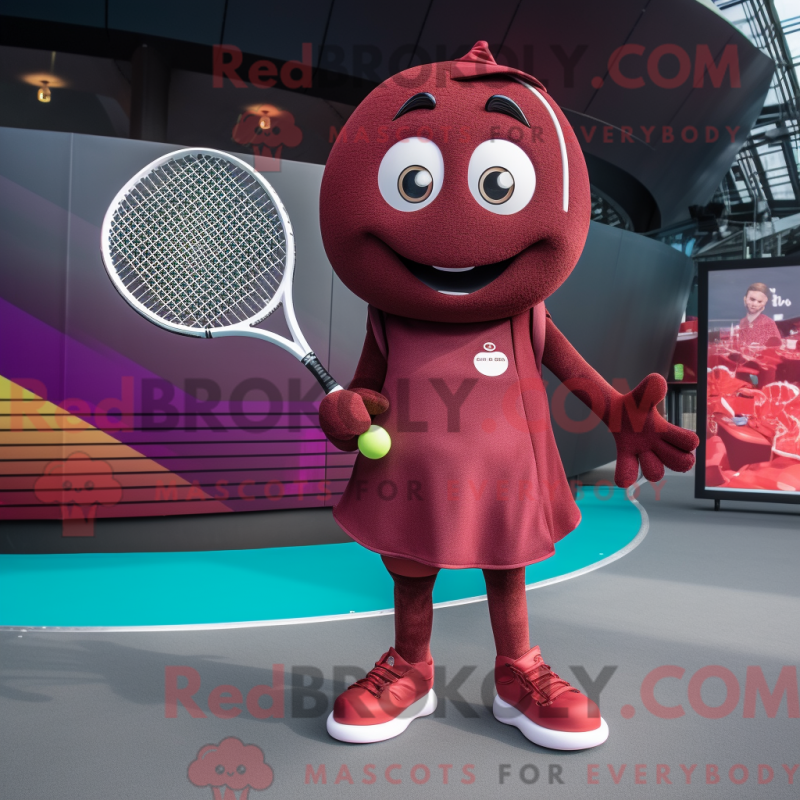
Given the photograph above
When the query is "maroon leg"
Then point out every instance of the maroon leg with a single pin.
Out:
(508, 611)
(413, 616)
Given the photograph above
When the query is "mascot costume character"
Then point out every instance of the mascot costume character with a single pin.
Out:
(454, 202)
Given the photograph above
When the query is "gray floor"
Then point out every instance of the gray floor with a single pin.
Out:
(83, 715)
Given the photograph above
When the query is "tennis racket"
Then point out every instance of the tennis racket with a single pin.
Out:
(200, 244)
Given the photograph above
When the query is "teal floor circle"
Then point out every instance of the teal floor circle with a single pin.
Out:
(269, 586)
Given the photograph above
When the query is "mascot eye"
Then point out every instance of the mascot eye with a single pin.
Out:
(66, 485)
(415, 184)
(501, 177)
(219, 769)
(496, 185)
(410, 175)
(241, 769)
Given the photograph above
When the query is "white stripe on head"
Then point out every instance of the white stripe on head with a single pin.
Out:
(561, 142)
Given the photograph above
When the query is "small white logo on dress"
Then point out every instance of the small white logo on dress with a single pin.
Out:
(491, 362)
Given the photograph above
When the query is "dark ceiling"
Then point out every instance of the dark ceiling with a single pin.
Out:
(356, 44)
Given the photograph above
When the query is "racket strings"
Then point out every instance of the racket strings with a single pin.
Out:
(199, 242)
(192, 291)
(147, 254)
(238, 280)
(202, 286)
(244, 246)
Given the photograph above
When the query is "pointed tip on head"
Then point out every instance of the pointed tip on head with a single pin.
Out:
(480, 53)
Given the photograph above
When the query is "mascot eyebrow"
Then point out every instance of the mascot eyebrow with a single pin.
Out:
(505, 105)
(420, 100)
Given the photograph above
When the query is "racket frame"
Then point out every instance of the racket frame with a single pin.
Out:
(299, 347)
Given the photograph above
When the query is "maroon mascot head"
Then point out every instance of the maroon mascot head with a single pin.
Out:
(456, 192)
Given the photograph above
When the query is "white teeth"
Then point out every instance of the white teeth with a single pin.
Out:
(453, 269)
(441, 291)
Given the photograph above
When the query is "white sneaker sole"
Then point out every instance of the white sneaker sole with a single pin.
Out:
(364, 734)
(546, 737)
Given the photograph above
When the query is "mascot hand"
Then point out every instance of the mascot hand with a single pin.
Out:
(345, 415)
(644, 437)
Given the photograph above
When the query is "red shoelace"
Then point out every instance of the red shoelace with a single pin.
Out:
(542, 681)
(377, 679)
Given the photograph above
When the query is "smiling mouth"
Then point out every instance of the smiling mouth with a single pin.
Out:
(464, 280)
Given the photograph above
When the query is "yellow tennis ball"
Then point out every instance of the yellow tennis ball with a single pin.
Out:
(375, 442)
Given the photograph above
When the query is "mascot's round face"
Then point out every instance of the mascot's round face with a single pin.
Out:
(456, 192)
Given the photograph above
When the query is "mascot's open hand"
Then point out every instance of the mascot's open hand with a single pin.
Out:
(346, 414)
(644, 437)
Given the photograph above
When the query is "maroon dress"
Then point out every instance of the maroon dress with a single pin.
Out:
(473, 478)
(762, 329)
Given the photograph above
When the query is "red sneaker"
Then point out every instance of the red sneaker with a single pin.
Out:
(547, 710)
(385, 702)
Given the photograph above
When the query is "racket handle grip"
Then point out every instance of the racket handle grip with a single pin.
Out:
(320, 373)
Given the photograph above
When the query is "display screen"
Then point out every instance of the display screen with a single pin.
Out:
(751, 316)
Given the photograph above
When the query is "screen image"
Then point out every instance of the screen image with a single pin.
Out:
(752, 374)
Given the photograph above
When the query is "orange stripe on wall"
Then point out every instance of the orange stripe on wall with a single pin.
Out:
(81, 467)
